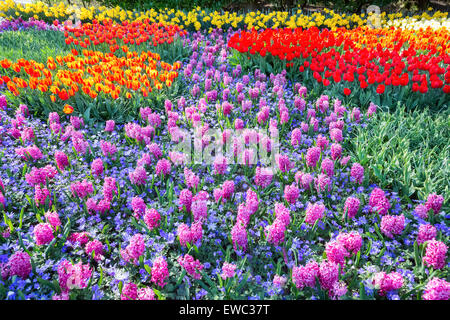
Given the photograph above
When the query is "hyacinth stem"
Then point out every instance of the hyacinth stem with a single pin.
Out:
(285, 256)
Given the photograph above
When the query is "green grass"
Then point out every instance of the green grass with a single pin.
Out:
(407, 152)
(32, 45)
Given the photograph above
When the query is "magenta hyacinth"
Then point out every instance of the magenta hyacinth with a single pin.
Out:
(134, 250)
(291, 193)
(138, 176)
(97, 167)
(328, 274)
(421, 211)
(387, 282)
(62, 161)
(426, 232)
(305, 276)
(19, 264)
(152, 218)
(312, 156)
(239, 237)
(275, 232)
(392, 225)
(379, 202)
(336, 252)
(160, 271)
(351, 207)
(328, 166)
(434, 202)
(437, 289)
(228, 270)
(96, 247)
(43, 233)
(191, 265)
(352, 241)
(314, 212)
(357, 173)
(435, 254)
(336, 151)
(129, 292)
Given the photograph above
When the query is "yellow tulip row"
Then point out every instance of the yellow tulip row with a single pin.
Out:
(200, 19)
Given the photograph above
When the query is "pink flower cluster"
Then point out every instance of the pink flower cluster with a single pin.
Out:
(160, 271)
(437, 289)
(185, 199)
(151, 218)
(312, 156)
(435, 254)
(109, 188)
(378, 201)
(220, 164)
(109, 125)
(275, 232)
(40, 175)
(336, 252)
(130, 291)
(96, 247)
(73, 276)
(108, 149)
(81, 189)
(322, 183)
(62, 161)
(19, 264)
(352, 241)
(263, 177)
(138, 205)
(138, 176)
(43, 233)
(191, 179)
(225, 192)
(283, 162)
(328, 166)
(134, 250)
(314, 212)
(305, 276)
(228, 270)
(426, 232)
(291, 193)
(296, 137)
(392, 225)
(97, 167)
(336, 151)
(41, 195)
(191, 235)
(387, 281)
(434, 202)
(351, 207)
(163, 167)
(53, 219)
(357, 173)
(192, 266)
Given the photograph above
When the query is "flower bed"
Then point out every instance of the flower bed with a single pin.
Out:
(116, 210)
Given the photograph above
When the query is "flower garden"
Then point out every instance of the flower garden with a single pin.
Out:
(98, 201)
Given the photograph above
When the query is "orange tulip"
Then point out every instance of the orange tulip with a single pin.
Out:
(5, 63)
(68, 109)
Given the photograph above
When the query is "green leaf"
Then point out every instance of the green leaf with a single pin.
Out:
(148, 269)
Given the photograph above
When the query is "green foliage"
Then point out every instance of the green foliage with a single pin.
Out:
(34, 45)
(407, 152)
